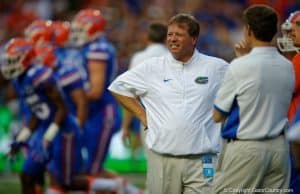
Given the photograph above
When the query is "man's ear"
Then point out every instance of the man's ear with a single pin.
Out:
(195, 41)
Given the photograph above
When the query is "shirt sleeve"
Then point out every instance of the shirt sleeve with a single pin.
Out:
(131, 83)
(226, 93)
(220, 72)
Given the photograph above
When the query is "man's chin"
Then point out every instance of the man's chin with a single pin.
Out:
(175, 55)
(175, 52)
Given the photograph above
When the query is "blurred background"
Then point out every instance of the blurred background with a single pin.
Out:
(220, 20)
(220, 28)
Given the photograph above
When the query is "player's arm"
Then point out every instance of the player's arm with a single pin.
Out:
(61, 109)
(97, 69)
(79, 98)
(73, 84)
(133, 106)
(27, 130)
(32, 123)
(61, 112)
(23, 135)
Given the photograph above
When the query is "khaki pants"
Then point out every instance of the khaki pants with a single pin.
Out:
(252, 166)
(176, 175)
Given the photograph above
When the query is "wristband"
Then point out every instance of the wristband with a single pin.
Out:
(23, 135)
(51, 132)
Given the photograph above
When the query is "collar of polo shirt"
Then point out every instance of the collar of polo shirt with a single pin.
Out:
(177, 63)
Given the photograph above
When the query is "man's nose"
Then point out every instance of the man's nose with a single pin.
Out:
(173, 38)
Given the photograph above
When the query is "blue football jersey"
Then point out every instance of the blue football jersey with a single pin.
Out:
(72, 57)
(101, 49)
(30, 88)
(65, 150)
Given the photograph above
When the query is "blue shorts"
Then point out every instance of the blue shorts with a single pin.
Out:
(98, 131)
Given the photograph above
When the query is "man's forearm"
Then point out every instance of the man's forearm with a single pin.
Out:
(127, 118)
(133, 106)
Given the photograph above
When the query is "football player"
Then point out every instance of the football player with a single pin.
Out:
(100, 65)
(60, 57)
(57, 131)
(289, 45)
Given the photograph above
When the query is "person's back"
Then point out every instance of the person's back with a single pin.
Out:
(105, 51)
(264, 88)
(252, 103)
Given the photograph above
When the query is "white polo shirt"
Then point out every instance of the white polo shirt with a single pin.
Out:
(178, 99)
(255, 95)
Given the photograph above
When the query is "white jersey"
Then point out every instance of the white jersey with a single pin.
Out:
(178, 99)
(256, 94)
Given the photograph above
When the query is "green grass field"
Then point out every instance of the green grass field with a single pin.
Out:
(9, 183)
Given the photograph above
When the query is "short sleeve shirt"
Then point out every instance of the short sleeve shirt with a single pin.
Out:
(255, 95)
(178, 99)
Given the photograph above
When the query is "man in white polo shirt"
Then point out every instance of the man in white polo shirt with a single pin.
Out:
(177, 91)
(253, 102)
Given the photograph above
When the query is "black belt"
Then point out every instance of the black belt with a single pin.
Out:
(186, 156)
(230, 140)
(266, 138)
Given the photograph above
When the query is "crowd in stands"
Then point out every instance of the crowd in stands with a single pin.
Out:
(220, 20)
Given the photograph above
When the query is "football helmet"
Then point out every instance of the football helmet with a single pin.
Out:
(45, 55)
(18, 56)
(285, 43)
(40, 32)
(61, 33)
(86, 26)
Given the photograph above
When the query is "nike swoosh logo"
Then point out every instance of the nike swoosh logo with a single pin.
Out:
(166, 80)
